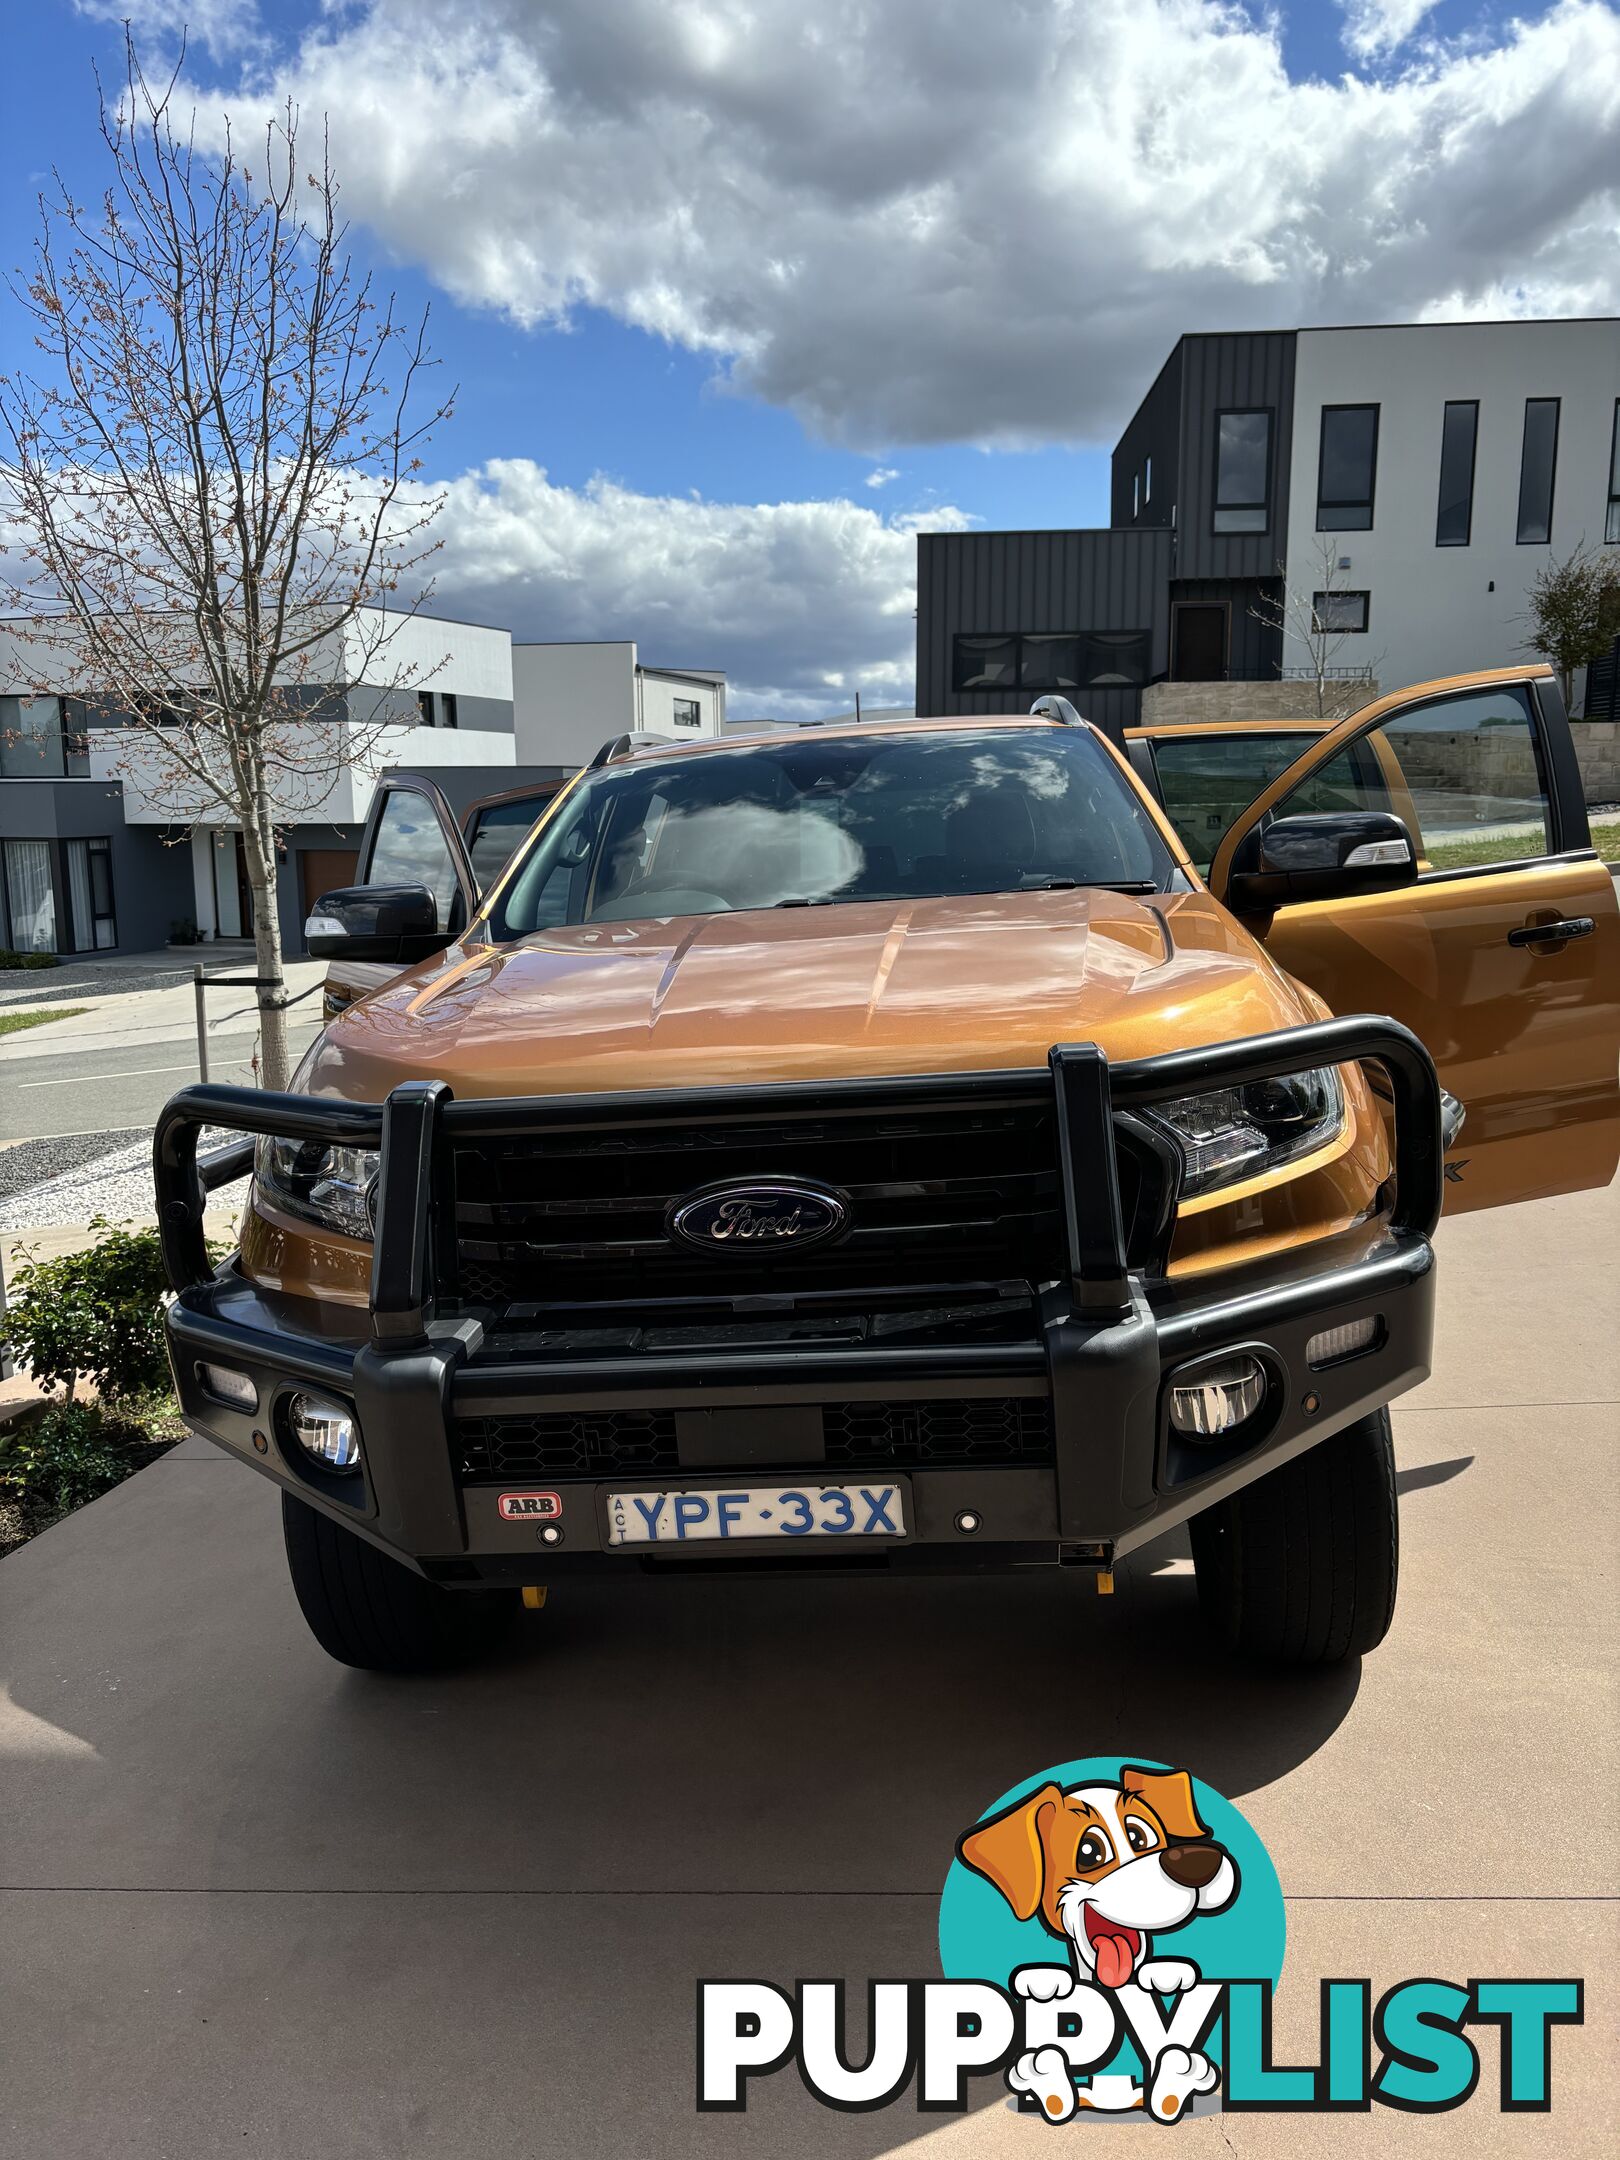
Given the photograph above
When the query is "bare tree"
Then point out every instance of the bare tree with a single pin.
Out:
(1294, 612)
(213, 472)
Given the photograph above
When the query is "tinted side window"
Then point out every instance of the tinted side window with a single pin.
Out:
(1465, 770)
(411, 850)
(496, 832)
(1205, 780)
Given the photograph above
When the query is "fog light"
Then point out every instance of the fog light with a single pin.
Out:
(229, 1386)
(1336, 1343)
(1214, 1397)
(327, 1435)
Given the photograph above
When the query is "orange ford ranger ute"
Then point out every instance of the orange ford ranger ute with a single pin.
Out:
(886, 1146)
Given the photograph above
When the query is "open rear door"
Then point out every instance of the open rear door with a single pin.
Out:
(411, 838)
(1504, 957)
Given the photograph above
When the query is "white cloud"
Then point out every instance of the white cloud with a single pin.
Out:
(937, 220)
(881, 475)
(801, 602)
(1374, 28)
(224, 27)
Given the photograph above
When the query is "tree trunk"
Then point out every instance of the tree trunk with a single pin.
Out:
(275, 1069)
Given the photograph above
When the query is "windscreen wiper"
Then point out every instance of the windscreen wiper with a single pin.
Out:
(1074, 884)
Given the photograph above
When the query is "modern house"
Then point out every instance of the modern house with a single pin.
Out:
(572, 696)
(1405, 481)
(99, 850)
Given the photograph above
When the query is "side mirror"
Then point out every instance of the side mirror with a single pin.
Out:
(394, 923)
(1320, 855)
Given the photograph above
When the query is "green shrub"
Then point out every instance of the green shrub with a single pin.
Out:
(9, 959)
(70, 1454)
(96, 1314)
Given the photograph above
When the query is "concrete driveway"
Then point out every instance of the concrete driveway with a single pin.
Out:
(257, 1905)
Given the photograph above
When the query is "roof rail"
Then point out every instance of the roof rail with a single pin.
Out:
(1056, 708)
(623, 746)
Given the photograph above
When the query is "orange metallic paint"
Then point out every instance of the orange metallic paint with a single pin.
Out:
(980, 982)
(943, 985)
(1527, 1038)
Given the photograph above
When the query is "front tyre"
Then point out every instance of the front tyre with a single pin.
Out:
(365, 1609)
(1300, 1568)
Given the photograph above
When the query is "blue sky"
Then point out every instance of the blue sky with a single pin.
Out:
(971, 292)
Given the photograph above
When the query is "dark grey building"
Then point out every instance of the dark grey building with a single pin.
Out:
(1405, 482)
(1004, 616)
(1168, 590)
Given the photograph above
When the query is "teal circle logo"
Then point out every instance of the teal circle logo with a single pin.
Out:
(1041, 1880)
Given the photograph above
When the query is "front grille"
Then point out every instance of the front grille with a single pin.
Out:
(989, 1429)
(596, 1443)
(940, 1194)
(975, 1429)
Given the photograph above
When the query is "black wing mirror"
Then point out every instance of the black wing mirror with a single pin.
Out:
(394, 923)
(1320, 855)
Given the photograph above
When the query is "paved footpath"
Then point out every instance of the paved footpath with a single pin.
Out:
(256, 1905)
(116, 1063)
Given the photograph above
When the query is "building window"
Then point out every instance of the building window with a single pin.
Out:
(1051, 660)
(424, 707)
(688, 713)
(1242, 472)
(1347, 468)
(30, 895)
(31, 740)
(1459, 433)
(75, 738)
(1333, 613)
(988, 662)
(164, 709)
(447, 709)
(1611, 528)
(1536, 468)
(90, 895)
(1147, 481)
(1136, 495)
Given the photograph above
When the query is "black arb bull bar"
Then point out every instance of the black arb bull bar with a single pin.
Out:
(1105, 1345)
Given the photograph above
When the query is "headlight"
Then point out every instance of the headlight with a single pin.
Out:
(1240, 1132)
(335, 1187)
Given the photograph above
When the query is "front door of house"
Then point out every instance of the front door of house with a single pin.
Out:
(1198, 642)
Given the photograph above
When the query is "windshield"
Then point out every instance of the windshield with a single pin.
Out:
(809, 820)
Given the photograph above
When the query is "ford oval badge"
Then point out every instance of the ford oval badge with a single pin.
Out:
(770, 1216)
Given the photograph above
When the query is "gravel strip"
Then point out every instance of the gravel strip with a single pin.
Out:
(117, 1184)
(36, 1162)
(45, 986)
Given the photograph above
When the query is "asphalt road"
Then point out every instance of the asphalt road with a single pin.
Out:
(106, 1089)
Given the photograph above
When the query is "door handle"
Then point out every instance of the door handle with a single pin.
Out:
(1546, 933)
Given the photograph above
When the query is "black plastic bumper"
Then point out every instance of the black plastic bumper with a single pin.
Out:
(1099, 1360)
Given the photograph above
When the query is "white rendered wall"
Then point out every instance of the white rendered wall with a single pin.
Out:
(568, 699)
(465, 659)
(657, 693)
(324, 787)
(1433, 611)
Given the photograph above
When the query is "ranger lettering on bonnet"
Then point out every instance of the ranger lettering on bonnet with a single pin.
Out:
(1104, 1868)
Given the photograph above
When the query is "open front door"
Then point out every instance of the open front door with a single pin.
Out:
(411, 838)
(1504, 956)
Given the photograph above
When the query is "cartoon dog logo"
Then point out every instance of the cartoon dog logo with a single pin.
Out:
(1107, 1868)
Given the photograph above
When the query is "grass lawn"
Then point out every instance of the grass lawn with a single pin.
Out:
(1459, 854)
(14, 1023)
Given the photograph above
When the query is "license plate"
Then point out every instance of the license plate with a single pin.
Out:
(756, 1511)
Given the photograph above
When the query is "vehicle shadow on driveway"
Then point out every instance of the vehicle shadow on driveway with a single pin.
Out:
(830, 1734)
(409, 1887)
